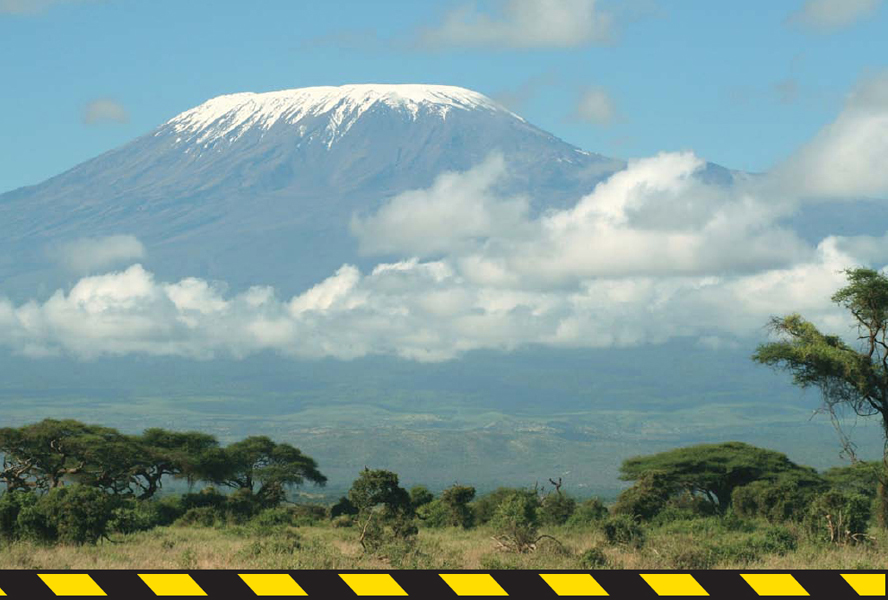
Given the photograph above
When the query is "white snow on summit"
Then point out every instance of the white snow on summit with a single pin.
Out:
(230, 116)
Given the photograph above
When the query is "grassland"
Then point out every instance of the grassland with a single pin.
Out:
(709, 543)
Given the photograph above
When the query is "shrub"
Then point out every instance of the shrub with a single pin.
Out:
(75, 515)
(556, 509)
(343, 507)
(485, 507)
(838, 518)
(420, 496)
(133, 516)
(594, 558)
(11, 504)
(687, 557)
(207, 497)
(515, 521)
(588, 512)
(456, 498)
(202, 516)
(343, 521)
(645, 499)
(775, 501)
(434, 514)
(272, 520)
(623, 529)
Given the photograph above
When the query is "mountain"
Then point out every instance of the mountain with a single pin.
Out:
(259, 188)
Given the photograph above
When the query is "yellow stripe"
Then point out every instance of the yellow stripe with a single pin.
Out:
(473, 584)
(71, 584)
(573, 584)
(866, 584)
(373, 584)
(2, 593)
(272, 584)
(172, 584)
(674, 584)
(774, 584)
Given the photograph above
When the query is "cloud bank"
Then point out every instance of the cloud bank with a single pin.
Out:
(525, 24)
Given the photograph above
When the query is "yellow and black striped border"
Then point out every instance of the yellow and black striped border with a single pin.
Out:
(440, 584)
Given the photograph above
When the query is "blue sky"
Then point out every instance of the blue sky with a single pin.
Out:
(741, 83)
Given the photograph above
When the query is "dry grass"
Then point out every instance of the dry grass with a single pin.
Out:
(324, 547)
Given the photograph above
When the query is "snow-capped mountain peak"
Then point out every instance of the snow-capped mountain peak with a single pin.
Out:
(230, 116)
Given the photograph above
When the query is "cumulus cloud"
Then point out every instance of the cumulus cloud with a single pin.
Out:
(651, 254)
(596, 106)
(88, 255)
(104, 110)
(653, 218)
(525, 24)
(847, 159)
(831, 15)
(425, 311)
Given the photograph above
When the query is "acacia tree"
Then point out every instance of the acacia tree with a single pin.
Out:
(712, 471)
(259, 461)
(849, 379)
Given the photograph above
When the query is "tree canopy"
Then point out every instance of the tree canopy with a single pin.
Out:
(713, 470)
(848, 378)
(46, 455)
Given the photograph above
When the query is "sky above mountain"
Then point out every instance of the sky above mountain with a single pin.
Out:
(741, 84)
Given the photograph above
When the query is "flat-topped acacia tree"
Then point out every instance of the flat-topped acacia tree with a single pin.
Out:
(849, 379)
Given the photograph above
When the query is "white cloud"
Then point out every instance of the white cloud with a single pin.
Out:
(104, 110)
(525, 24)
(86, 255)
(831, 15)
(651, 254)
(847, 159)
(596, 106)
(653, 218)
(424, 311)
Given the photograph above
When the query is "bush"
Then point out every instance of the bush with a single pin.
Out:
(556, 509)
(775, 501)
(133, 516)
(456, 498)
(74, 515)
(272, 520)
(839, 518)
(343, 521)
(689, 557)
(202, 516)
(594, 558)
(645, 499)
(485, 507)
(588, 512)
(623, 529)
(420, 496)
(343, 507)
(11, 504)
(515, 521)
(434, 514)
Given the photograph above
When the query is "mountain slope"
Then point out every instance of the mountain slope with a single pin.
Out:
(257, 188)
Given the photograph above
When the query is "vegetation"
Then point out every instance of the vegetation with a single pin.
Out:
(849, 379)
